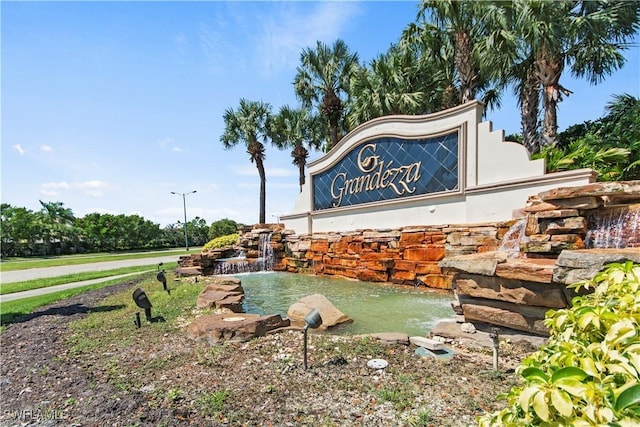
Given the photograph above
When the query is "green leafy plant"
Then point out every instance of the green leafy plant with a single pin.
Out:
(212, 403)
(400, 398)
(220, 242)
(422, 419)
(588, 373)
(174, 394)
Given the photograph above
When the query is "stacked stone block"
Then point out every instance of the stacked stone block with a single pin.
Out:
(405, 256)
(559, 219)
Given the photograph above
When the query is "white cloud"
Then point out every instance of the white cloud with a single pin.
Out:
(296, 26)
(46, 148)
(18, 148)
(217, 47)
(271, 34)
(93, 185)
(182, 43)
(93, 188)
(56, 185)
(214, 186)
(164, 142)
(169, 143)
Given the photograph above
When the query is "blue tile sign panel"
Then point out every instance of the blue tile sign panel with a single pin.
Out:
(389, 168)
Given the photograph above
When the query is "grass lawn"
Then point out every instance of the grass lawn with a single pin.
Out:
(12, 264)
(9, 288)
(12, 309)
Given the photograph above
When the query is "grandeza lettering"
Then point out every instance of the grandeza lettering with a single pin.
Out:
(376, 175)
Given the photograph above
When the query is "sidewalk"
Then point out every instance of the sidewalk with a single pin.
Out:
(39, 273)
(43, 291)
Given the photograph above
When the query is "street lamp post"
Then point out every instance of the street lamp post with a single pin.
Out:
(184, 206)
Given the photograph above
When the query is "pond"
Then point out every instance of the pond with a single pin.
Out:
(374, 307)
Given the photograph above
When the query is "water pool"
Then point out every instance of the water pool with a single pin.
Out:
(374, 307)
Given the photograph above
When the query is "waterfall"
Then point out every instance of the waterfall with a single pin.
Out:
(232, 266)
(241, 264)
(613, 228)
(513, 237)
(265, 252)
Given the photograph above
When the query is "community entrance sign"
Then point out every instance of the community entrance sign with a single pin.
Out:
(442, 168)
(389, 168)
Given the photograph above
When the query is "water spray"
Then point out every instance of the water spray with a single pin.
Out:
(496, 344)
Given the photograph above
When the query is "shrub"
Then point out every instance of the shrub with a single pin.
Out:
(588, 373)
(222, 241)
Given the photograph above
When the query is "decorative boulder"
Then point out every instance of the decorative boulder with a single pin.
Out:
(233, 327)
(331, 316)
(222, 292)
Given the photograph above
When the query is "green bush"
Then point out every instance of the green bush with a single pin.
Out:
(588, 373)
(222, 241)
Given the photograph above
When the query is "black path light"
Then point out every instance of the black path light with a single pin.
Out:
(312, 320)
(162, 278)
(141, 300)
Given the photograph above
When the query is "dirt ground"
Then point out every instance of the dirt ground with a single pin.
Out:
(171, 380)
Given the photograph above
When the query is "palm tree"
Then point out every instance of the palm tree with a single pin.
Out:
(58, 222)
(587, 36)
(391, 84)
(323, 79)
(298, 130)
(248, 124)
(450, 33)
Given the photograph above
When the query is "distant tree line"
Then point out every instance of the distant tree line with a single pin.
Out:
(456, 51)
(54, 230)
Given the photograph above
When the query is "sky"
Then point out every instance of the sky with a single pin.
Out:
(110, 107)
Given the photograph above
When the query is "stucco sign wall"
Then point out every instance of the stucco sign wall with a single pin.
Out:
(447, 167)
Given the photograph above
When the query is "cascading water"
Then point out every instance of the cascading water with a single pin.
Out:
(613, 228)
(235, 265)
(513, 237)
(265, 252)
(242, 264)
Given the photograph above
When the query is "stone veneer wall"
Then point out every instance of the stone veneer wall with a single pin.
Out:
(557, 220)
(400, 256)
(517, 292)
(492, 286)
(560, 219)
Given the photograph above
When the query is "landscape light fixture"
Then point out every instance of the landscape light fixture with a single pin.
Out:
(184, 206)
(163, 279)
(312, 320)
(141, 300)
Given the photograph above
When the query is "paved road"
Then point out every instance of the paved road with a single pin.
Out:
(51, 289)
(39, 273)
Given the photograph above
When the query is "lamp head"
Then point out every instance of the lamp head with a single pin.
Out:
(141, 300)
(313, 319)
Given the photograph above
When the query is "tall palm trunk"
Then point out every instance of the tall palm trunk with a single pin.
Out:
(464, 66)
(549, 69)
(263, 189)
(529, 109)
(300, 155)
(332, 108)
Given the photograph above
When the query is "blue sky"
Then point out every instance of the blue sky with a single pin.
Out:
(110, 106)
